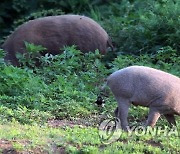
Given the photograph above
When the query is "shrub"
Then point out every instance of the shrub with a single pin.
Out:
(64, 85)
(144, 27)
(165, 59)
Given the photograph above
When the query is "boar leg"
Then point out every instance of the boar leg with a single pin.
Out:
(153, 116)
(116, 112)
(123, 107)
(171, 119)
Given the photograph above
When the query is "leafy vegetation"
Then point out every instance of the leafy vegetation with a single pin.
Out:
(65, 87)
(144, 26)
(47, 104)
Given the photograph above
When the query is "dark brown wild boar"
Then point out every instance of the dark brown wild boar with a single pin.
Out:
(55, 32)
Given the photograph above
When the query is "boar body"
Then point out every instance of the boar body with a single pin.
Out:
(55, 32)
(144, 86)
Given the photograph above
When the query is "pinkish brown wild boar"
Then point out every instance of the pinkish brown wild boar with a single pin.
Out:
(55, 32)
(148, 87)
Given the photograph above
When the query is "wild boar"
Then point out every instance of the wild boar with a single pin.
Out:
(55, 32)
(148, 87)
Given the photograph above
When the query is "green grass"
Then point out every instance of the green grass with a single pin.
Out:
(65, 87)
(82, 140)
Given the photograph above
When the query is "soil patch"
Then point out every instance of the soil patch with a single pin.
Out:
(6, 147)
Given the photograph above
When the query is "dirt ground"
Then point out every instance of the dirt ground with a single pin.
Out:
(6, 147)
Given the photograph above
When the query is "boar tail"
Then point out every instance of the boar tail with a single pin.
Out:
(103, 89)
(109, 43)
(100, 101)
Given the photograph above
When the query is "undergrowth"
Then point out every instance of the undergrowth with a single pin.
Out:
(65, 87)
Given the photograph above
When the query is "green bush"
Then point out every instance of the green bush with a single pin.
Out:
(165, 59)
(144, 27)
(66, 85)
